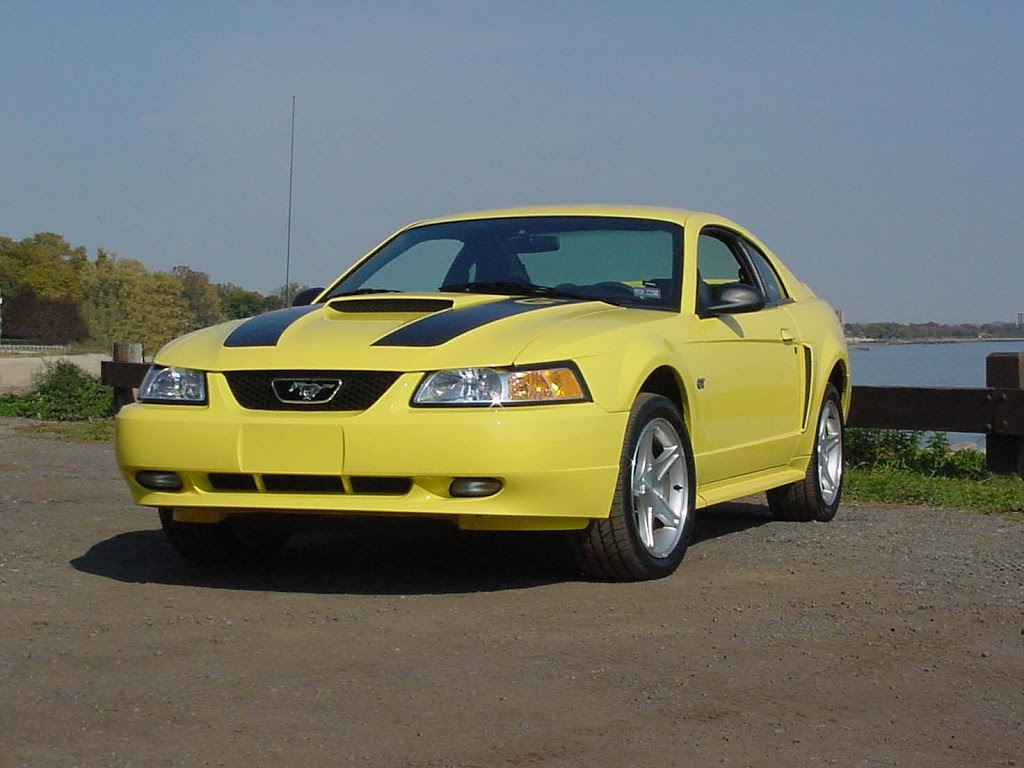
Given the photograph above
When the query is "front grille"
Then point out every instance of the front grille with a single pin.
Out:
(229, 481)
(303, 484)
(359, 389)
(386, 486)
(235, 482)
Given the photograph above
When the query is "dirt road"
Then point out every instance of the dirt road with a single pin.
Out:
(891, 637)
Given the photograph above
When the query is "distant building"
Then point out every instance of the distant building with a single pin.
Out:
(1020, 319)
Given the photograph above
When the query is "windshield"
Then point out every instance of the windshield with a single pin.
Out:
(631, 262)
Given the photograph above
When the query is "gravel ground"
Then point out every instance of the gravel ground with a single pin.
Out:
(890, 637)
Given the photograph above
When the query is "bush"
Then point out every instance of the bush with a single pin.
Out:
(62, 392)
(919, 452)
(880, 448)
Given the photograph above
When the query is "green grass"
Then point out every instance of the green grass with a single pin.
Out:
(991, 494)
(900, 467)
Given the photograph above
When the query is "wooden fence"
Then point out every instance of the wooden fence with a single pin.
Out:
(996, 410)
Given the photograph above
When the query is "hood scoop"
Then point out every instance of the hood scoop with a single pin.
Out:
(390, 304)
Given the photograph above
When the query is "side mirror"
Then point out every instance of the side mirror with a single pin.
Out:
(735, 299)
(304, 297)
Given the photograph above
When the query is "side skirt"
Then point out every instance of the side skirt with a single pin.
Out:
(748, 485)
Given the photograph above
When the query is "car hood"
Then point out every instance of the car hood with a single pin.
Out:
(407, 332)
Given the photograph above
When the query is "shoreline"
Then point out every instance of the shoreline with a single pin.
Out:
(897, 342)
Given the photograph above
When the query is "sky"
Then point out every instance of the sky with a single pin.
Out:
(876, 147)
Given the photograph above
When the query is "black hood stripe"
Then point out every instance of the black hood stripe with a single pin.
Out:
(265, 330)
(440, 327)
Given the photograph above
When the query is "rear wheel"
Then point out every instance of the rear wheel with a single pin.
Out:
(816, 497)
(651, 518)
(230, 541)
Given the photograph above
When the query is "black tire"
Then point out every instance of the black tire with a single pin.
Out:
(817, 496)
(614, 549)
(227, 542)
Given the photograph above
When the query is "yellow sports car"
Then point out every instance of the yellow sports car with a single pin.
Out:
(602, 371)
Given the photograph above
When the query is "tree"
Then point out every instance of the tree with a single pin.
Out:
(127, 303)
(7, 284)
(237, 302)
(43, 319)
(158, 313)
(53, 292)
(41, 278)
(286, 293)
(201, 294)
(46, 263)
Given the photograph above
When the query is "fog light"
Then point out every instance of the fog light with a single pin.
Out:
(467, 487)
(159, 481)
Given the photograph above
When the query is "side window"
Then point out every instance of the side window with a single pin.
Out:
(721, 261)
(773, 289)
(715, 262)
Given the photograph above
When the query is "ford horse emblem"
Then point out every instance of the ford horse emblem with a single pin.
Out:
(303, 391)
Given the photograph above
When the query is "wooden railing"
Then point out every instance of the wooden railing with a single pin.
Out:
(996, 410)
(124, 373)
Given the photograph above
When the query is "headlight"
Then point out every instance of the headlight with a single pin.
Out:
(173, 385)
(491, 386)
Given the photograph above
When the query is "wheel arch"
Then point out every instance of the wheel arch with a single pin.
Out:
(839, 377)
(666, 381)
(626, 366)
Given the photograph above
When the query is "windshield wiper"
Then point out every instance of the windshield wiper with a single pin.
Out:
(512, 288)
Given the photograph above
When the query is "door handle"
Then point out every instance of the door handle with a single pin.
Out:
(787, 335)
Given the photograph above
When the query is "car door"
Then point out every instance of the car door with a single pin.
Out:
(751, 371)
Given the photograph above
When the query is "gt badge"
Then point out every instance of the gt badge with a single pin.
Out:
(305, 390)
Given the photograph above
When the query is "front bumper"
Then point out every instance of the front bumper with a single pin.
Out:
(557, 463)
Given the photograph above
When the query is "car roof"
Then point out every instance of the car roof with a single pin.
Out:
(680, 216)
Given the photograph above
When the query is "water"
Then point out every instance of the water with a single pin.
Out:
(960, 364)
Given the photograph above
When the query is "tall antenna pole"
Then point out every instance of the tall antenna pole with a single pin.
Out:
(288, 247)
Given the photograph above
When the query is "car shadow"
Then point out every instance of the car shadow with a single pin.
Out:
(403, 560)
(728, 518)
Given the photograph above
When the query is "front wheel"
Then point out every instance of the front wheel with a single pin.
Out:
(816, 497)
(227, 542)
(651, 518)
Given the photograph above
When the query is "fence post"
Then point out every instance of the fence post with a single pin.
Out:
(1005, 453)
(125, 352)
